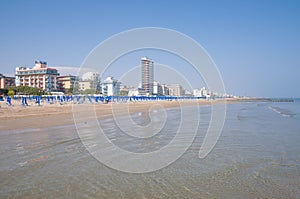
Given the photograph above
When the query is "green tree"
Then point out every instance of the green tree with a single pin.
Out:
(26, 90)
(3, 91)
(89, 91)
(11, 93)
(123, 93)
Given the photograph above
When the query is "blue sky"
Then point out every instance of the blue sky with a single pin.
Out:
(255, 44)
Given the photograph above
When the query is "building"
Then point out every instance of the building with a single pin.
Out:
(157, 88)
(94, 79)
(175, 90)
(203, 92)
(133, 92)
(187, 92)
(197, 93)
(39, 76)
(147, 75)
(92, 76)
(124, 90)
(110, 86)
(68, 82)
(88, 85)
(165, 89)
(6, 81)
(85, 85)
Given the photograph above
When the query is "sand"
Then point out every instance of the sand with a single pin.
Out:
(57, 114)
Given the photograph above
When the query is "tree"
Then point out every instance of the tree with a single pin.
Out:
(123, 93)
(26, 90)
(11, 93)
(3, 91)
(89, 91)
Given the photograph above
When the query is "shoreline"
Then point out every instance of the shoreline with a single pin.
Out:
(48, 115)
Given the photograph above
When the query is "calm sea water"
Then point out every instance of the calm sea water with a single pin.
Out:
(257, 156)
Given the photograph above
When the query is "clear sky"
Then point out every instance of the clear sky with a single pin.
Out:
(255, 44)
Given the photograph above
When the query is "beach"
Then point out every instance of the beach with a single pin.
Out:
(47, 115)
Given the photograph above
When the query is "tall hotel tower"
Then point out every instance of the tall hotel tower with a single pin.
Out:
(147, 75)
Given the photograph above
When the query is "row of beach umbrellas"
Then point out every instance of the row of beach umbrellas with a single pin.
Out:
(94, 99)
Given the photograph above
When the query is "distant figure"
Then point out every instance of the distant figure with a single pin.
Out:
(38, 100)
(8, 100)
(24, 101)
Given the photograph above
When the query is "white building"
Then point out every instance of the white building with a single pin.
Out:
(133, 92)
(203, 92)
(197, 93)
(187, 92)
(91, 76)
(110, 87)
(164, 89)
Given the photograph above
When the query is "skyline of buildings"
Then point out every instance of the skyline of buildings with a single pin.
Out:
(48, 79)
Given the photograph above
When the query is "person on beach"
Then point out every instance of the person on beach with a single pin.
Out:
(38, 100)
(8, 100)
(24, 101)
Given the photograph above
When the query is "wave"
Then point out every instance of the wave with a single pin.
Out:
(282, 112)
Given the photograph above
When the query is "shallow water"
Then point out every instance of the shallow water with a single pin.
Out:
(257, 156)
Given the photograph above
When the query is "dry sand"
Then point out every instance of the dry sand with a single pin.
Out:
(48, 115)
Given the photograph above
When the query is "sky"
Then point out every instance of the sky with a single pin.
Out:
(255, 44)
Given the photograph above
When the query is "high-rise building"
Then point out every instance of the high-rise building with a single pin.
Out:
(147, 75)
(38, 76)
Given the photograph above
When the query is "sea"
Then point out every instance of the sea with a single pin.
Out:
(256, 156)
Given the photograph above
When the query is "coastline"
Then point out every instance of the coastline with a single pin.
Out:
(48, 115)
(58, 114)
